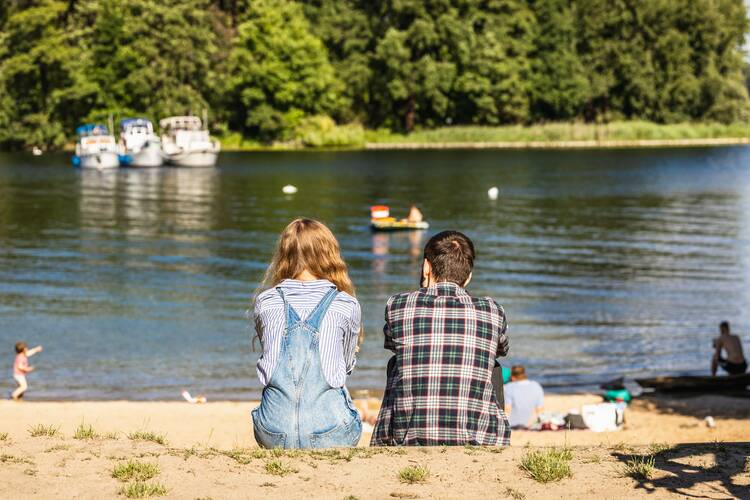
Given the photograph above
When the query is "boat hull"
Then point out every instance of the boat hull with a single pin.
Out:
(148, 157)
(697, 384)
(390, 224)
(193, 159)
(99, 161)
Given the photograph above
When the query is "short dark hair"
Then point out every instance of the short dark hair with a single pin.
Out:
(20, 347)
(451, 255)
(518, 371)
(724, 326)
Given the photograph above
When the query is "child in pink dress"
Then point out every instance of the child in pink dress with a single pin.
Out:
(21, 367)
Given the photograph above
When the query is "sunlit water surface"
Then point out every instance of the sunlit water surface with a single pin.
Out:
(137, 283)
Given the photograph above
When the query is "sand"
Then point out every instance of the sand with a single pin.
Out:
(210, 453)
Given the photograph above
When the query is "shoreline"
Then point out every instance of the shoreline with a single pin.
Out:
(584, 144)
(75, 450)
(397, 145)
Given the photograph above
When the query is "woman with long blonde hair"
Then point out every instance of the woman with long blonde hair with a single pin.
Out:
(308, 323)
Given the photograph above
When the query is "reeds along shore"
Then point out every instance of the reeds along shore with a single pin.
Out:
(626, 134)
(137, 449)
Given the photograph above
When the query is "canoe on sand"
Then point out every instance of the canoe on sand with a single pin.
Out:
(696, 383)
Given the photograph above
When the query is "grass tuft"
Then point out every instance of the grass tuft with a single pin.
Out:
(398, 494)
(238, 455)
(656, 448)
(85, 432)
(40, 430)
(4, 436)
(57, 447)
(514, 494)
(278, 468)
(549, 465)
(11, 459)
(412, 474)
(640, 467)
(134, 470)
(143, 490)
(148, 436)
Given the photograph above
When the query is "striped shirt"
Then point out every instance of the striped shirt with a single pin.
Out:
(339, 329)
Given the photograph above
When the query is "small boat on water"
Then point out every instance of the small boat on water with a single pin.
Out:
(187, 143)
(96, 148)
(139, 145)
(704, 384)
(381, 220)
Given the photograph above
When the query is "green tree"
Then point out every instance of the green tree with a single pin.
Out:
(43, 86)
(279, 72)
(559, 86)
(149, 57)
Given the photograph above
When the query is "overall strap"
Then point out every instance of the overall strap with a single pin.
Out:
(313, 321)
(291, 316)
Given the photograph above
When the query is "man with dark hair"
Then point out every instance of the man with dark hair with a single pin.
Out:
(735, 362)
(439, 389)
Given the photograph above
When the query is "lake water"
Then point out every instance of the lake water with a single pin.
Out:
(608, 263)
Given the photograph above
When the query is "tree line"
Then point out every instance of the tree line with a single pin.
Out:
(262, 67)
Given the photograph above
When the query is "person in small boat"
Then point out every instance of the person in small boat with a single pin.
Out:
(415, 215)
(524, 399)
(308, 323)
(735, 362)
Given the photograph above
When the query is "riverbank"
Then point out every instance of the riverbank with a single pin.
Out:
(627, 134)
(202, 451)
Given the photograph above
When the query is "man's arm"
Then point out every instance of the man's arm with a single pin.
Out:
(503, 345)
(388, 343)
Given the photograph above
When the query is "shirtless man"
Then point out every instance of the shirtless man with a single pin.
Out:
(734, 363)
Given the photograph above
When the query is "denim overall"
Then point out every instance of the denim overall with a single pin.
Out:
(298, 408)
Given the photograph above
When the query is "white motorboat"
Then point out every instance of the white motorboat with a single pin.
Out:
(95, 148)
(139, 145)
(186, 143)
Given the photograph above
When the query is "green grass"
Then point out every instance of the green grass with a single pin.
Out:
(656, 448)
(552, 132)
(640, 467)
(278, 468)
(134, 470)
(412, 474)
(143, 490)
(11, 459)
(41, 430)
(514, 494)
(57, 447)
(548, 465)
(148, 436)
(238, 455)
(85, 432)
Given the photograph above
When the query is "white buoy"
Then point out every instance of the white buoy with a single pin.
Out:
(493, 193)
(289, 189)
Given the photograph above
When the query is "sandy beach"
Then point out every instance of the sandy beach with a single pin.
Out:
(208, 451)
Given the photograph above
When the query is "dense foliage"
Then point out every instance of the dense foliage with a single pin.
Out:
(283, 69)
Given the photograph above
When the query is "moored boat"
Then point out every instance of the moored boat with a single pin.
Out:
(187, 143)
(96, 148)
(139, 145)
(704, 384)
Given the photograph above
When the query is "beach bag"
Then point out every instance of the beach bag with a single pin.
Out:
(603, 417)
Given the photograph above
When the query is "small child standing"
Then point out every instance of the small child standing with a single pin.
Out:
(21, 367)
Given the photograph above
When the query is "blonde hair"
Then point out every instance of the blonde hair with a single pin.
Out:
(308, 245)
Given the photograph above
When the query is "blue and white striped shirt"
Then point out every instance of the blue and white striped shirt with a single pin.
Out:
(339, 329)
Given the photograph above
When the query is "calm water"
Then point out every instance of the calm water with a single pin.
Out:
(608, 262)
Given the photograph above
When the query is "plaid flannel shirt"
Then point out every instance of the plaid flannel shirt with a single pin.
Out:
(439, 389)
